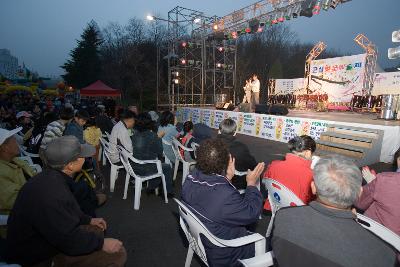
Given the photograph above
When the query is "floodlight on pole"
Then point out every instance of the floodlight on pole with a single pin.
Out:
(197, 20)
(150, 17)
(394, 53)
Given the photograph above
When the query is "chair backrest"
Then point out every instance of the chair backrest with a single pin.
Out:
(280, 196)
(126, 159)
(195, 146)
(176, 145)
(3, 219)
(381, 231)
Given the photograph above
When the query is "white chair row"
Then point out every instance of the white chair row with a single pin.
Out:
(194, 229)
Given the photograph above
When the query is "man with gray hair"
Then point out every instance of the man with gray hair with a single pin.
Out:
(325, 233)
(243, 159)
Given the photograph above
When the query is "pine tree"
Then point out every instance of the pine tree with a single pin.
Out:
(83, 67)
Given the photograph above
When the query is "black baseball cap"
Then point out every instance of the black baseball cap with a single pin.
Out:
(66, 149)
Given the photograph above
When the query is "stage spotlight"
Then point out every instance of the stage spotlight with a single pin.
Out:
(220, 49)
(260, 29)
(150, 17)
(281, 19)
(247, 30)
(326, 4)
(184, 44)
(176, 81)
(183, 61)
(234, 35)
(197, 20)
(317, 8)
(396, 36)
(215, 27)
(394, 53)
(219, 65)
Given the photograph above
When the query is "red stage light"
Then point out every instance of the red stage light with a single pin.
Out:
(260, 29)
(184, 44)
(234, 35)
(274, 21)
(248, 30)
(220, 49)
(281, 19)
(316, 10)
(183, 61)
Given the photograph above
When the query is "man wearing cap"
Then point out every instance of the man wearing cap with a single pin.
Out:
(46, 224)
(13, 172)
(75, 127)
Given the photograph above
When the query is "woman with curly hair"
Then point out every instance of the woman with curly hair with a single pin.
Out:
(218, 204)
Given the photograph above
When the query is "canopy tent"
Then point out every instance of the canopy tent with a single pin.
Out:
(98, 88)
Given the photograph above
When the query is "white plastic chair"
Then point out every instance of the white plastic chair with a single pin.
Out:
(167, 160)
(381, 231)
(29, 161)
(26, 159)
(279, 196)
(24, 153)
(263, 260)
(195, 146)
(126, 157)
(176, 146)
(193, 228)
(114, 168)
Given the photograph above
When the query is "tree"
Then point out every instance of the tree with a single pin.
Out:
(84, 66)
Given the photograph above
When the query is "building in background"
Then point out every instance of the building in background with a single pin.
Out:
(8, 64)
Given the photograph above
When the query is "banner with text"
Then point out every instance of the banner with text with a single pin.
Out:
(277, 128)
(339, 77)
(289, 86)
(387, 83)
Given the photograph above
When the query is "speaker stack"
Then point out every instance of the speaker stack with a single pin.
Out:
(277, 109)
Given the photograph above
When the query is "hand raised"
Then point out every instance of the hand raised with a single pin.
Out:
(253, 176)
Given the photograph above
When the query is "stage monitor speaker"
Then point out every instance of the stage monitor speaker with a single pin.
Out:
(245, 107)
(225, 106)
(272, 109)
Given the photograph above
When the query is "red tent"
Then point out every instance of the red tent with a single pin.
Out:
(99, 89)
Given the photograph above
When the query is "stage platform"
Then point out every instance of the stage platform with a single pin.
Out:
(297, 122)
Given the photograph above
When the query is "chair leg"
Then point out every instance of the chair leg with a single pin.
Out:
(138, 192)
(185, 171)
(164, 188)
(104, 158)
(271, 222)
(176, 169)
(127, 176)
(100, 154)
(189, 256)
(113, 177)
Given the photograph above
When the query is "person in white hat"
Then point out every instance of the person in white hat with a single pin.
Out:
(13, 172)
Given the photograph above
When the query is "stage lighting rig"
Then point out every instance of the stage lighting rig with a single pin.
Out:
(394, 53)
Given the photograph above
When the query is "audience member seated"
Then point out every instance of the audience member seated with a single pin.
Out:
(103, 121)
(46, 224)
(380, 198)
(75, 127)
(218, 204)
(325, 233)
(167, 131)
(120, 135)
(146, 145)
(186, 138)
(24, 121)
(92, 135)
(55, 130)
(295, 171)
(243, 159)
(13, 172)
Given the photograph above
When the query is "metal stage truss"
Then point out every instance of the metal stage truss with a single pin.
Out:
(202, 50)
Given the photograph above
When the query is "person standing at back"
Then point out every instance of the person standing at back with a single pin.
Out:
(325, 232)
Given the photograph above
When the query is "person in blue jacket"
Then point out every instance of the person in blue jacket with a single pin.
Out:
(218, 204)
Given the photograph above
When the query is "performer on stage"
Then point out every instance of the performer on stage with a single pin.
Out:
(255, 88)
(247, 91)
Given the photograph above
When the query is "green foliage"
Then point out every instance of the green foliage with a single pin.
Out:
(84, 66)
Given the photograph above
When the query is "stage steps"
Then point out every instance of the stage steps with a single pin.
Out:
(363, 145)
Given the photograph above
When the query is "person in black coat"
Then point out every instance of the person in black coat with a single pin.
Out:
(243, 159)
(46, 224)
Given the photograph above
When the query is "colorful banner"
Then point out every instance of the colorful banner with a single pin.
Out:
(277, 128)
(289, 86)
(387, 83)
(339, 77)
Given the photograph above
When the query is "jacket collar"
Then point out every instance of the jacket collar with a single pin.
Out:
(211, 180)
(14, 163)
(296, 160)
(343, 214)
(229, 138)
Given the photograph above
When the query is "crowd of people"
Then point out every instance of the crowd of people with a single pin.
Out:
(52, 214)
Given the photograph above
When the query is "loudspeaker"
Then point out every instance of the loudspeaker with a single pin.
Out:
(277, 109)
(244, 107)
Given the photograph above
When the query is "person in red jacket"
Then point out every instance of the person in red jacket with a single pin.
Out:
(295, 171)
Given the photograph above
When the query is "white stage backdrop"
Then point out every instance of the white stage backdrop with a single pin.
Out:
(289, 86)
(282, 128)
(339, 77)
(387, 83)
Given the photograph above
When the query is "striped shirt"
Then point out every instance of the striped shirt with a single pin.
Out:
(54, 130)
